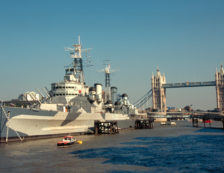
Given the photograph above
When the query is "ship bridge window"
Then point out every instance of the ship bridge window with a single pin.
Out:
(65, 94)
(69, 70)
(60, 87)
(69, 87)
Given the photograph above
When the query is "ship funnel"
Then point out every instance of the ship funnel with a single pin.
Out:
(114, 94)
(99, 91)
(92, 94)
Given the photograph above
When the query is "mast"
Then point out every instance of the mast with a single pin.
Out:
(77, 68)
(107, 76)
(78, 65)
(107, 83)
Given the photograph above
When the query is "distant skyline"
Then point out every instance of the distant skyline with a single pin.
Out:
(184, 38)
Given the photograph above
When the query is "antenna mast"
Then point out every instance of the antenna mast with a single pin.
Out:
(107, 83)
(76, 54)
(107, 76)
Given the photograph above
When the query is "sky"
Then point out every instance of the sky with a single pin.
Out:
(184, 38)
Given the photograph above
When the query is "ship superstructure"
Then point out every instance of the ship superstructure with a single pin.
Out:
(73, 84)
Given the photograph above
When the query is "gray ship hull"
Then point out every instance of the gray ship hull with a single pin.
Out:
(30, 123)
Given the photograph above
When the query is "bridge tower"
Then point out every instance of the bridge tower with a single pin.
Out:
(219, 79)
(158, 92)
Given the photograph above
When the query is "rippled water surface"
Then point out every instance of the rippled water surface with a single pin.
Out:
(162, 149)
(188, 153)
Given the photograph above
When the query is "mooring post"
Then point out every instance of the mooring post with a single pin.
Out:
(1, 125)
(96, 127)
(151, 120)
(204, 121)
(194, 122)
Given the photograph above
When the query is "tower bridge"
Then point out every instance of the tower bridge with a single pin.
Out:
(158, 90)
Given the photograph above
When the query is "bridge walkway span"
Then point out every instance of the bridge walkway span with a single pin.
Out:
(189, 84)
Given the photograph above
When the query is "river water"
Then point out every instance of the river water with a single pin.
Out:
(163, 149)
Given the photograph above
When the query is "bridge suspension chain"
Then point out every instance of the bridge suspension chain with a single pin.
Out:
(144, 99)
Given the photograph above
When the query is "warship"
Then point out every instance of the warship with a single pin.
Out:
(70, 107)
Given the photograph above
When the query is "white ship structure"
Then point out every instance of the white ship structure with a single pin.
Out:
(70, 107)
